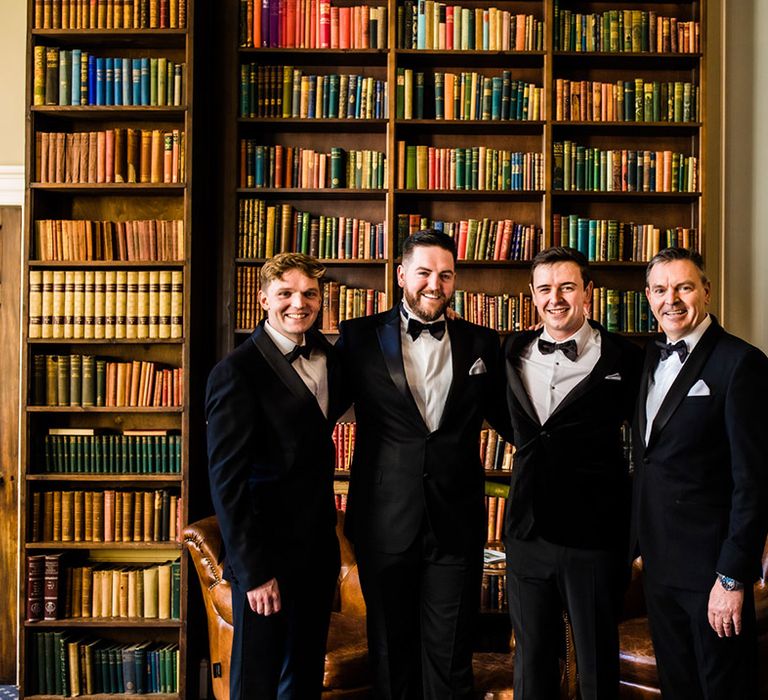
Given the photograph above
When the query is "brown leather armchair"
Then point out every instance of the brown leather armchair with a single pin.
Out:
(639, 679)
(347, 673)
(346, 661)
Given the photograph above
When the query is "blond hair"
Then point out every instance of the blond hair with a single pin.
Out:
(281, 263)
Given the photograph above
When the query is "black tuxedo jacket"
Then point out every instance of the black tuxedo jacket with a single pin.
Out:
(271, 458)
(699, 501)
(401, 472)
(570, 482)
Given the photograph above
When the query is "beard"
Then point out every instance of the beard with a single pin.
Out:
(425, 313)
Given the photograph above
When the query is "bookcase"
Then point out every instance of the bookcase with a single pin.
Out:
(513, 125)
(106, 334)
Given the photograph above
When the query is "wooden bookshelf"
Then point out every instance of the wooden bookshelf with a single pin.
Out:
(161, 102)
(541, 66)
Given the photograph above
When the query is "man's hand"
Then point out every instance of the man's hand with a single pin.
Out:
(265, 599)
(724, 610)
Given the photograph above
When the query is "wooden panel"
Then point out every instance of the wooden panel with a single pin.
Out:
(10, 285)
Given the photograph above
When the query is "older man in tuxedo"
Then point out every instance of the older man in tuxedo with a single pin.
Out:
(571, 387)
(699, 508)
(421, 385)
(269, 407)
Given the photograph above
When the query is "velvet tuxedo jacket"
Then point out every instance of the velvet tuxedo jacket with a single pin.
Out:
(699, 500)
(271, 460)
(401, 472)
(570, 482)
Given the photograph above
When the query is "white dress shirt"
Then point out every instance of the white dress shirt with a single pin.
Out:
(548, 379)
(428, 369)
(666, 373)
(313, 370)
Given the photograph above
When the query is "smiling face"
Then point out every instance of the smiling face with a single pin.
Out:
(560, 296)
(678, 297)
(427, 277)
(292, 303)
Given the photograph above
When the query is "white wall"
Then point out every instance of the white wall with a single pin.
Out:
(745, 269)
(13, 42)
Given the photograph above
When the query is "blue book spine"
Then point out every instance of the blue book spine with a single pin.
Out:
(127, 87)
(76, 68)
(259, 166)
(312, 97)
(592, 240)
(421, 26)
(136, 81)
(109, 81)
(326, 97)
(144, 81)
(583, 236)
(117, 98)
(100, 77)
(91, 80)
(359, 98)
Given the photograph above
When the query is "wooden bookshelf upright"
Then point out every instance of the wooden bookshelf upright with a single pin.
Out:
(128, 180)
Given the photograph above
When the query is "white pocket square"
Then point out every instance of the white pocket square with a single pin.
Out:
(700, 388)
(478, 367)
(615, 377)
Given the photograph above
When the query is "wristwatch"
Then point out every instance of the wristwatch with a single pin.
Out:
(729, 584)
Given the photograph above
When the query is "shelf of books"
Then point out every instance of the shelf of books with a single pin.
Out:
(512, 126)
(107, 329)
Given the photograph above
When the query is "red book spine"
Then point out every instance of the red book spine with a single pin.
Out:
(35, 573)
(313, 24)
(290, 24)
(51, 587)
(345, 18)
(325, 24)
(461, 248)
(431, 168)
(449, 27)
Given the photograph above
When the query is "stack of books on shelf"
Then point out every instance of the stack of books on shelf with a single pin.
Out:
(106, 515)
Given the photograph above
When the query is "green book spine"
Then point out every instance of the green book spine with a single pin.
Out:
(333, 97)
(506, 94)
(62, 380)
(656, 98)
(75, 380)
(400, 94)
(439, 95)
(487, 95)
(496, 95)
(38, 380)
(337, 168)
(38, 665)
(176, 590)
(88, 383)
(410, 167)
(62, 676)
(245, 97)
(287, 105)
(50, 663)
(494, 488)
(419, 79)
(639, 107)
(648, 102)
(101, 382)
(612, 310)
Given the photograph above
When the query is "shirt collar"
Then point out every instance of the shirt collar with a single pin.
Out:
(692, 339)
(581, 337)
(284, 345)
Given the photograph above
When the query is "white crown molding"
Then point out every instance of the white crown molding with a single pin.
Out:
(12, 185)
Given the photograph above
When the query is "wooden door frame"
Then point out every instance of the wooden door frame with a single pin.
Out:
(10, 294)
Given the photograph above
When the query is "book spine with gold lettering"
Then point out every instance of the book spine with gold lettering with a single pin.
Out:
(132, 305)
(89, 303)
(177, 303)
(142, 305)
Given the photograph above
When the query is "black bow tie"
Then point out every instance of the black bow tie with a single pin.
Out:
(299, 351)
(668, 349)
(568, 348)
(416, 328)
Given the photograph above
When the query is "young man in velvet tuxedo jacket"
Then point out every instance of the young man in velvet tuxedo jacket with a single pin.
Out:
(699, 501)
(571, 386)
(270, 413)
(421, 386)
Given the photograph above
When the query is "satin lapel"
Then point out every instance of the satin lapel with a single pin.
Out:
(609, 355)
(649, 366)
(689, 372)
(521, 341)
(391, 349)
(460, 359)
(283, 369)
